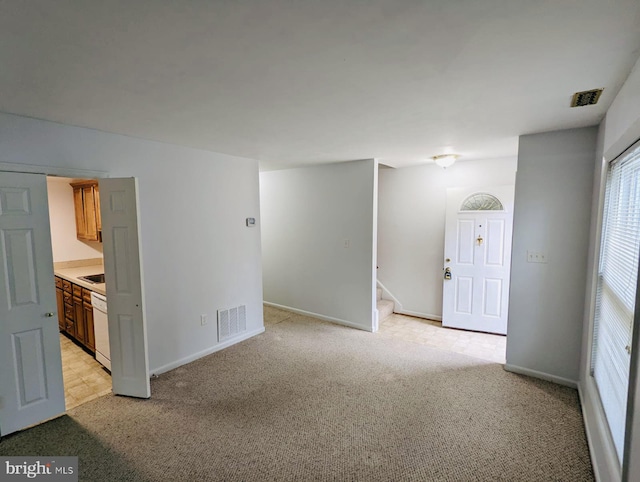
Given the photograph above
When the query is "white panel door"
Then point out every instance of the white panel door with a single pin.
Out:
(31, 387)
(477, 261)
(127, 327)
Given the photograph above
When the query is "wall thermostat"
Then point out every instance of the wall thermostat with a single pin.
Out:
(251, 222)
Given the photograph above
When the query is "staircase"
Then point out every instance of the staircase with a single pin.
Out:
(385, 307)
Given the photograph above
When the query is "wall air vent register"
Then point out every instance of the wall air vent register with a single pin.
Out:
(232, 322)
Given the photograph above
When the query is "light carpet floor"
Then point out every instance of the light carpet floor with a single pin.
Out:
(309, 400)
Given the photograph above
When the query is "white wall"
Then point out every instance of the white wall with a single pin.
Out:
(620, 129)
(307, 215)
(552, 214)
(623, 118)
(64, 243)
(197, 254)
(411, 219)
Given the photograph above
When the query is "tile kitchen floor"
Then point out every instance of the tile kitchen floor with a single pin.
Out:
(84, 377)
(431, 333)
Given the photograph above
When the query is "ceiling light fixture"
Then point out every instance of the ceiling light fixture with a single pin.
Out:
(445, 160)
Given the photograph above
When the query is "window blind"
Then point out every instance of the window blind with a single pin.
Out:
(616, 290)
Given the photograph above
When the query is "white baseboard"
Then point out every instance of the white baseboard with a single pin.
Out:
(376, 320)
(426, 316)
(541, 375)
(398, 308)
(208, 351)
(387, 295)
(318, 315)
(601, 449)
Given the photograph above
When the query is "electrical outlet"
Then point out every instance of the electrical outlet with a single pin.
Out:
(203, 320)
(536, 257)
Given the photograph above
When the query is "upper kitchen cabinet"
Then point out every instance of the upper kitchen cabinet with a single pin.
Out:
(86, 200)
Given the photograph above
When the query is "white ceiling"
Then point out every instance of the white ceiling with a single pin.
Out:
(295, 82)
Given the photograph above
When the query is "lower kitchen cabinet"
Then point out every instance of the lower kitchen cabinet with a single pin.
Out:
(89, 333)
(78, 318)
(75, 312)
(60, 303)
(69, 317)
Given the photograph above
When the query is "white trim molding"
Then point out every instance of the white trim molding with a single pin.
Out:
(387, 295)
(541, 375)
(417, 314)
(52, 171)
(398, 308)
(604, 460)
(375, 316)
(318, 315)
(208, 351)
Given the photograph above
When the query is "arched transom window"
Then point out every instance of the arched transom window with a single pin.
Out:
(482, 201)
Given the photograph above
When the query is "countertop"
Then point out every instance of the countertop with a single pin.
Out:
(72, 274)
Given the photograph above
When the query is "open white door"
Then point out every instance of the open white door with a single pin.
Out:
(31, 387)
(127, 328)
(477, 258)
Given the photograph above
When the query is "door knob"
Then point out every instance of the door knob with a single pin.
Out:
(447, 273)
(49, 315)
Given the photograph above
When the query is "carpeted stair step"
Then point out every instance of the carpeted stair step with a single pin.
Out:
(385, 308)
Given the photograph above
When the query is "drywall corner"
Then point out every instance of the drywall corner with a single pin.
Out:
(552, 214)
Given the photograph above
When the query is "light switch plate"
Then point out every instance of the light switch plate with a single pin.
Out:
(536, 256)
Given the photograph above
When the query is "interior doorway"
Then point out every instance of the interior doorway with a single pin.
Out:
(76, 244)
(31, 381)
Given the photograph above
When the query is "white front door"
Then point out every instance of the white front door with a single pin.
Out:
(477, 258)
(31, 387)
(127, 328)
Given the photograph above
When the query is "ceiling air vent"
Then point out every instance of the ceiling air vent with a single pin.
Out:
(586, 97)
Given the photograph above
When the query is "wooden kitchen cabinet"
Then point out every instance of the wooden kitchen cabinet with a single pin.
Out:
(96, 199)
(89, 335)
(69, 317)
(87, 321)
(60, 303)
(86, 202)
(75, 312)
(78, 318)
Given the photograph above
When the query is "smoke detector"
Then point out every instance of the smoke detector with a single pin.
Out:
(586, 97)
